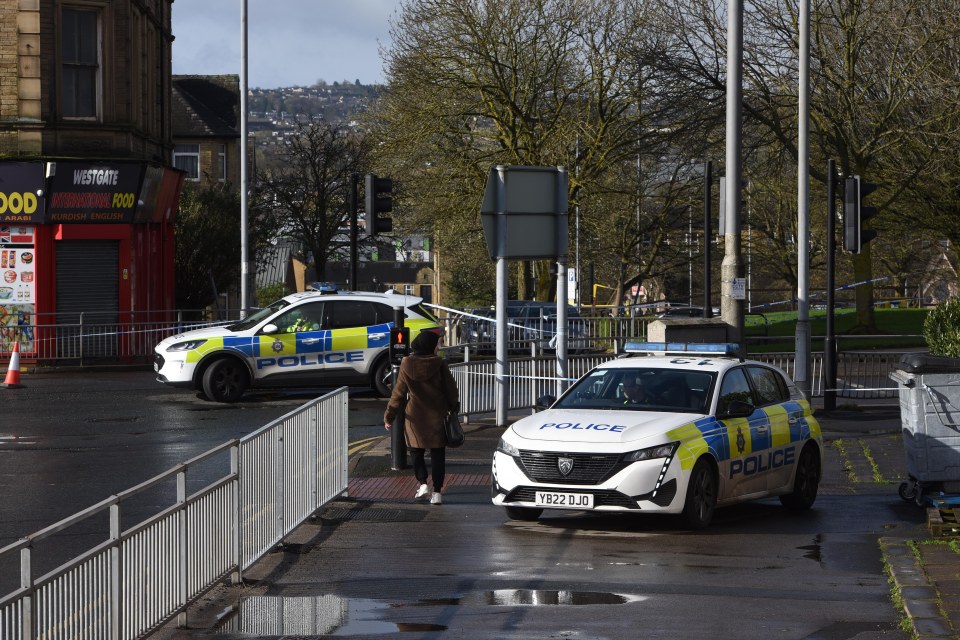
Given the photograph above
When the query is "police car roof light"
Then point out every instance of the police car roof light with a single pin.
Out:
(322, 287)
(712, 348)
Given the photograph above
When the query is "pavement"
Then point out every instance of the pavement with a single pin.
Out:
(865, 443)
(864, 456)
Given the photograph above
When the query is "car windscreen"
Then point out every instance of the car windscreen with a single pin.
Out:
(256, 318)
(641, 389)
(422, 310)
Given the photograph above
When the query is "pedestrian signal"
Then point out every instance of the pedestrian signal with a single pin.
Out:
(399, 344)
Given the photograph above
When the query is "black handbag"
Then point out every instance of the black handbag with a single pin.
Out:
(453, 430)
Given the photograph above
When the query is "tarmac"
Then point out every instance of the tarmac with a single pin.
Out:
(864, 454)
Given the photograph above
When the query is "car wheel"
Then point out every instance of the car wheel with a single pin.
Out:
(522, 513)
(225, 380)
(806, 482)
(382, 381)
(701, 499)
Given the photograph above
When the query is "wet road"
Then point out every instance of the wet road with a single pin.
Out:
(71, 439)
(377, 568)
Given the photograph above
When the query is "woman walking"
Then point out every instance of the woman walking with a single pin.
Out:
(425, 392)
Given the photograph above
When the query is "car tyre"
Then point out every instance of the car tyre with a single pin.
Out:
(701, 500)
(382, 381)
(806, 481)
(225, 380)
(523, 513)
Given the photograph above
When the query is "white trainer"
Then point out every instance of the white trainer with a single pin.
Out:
(436, 499)
(422, 492)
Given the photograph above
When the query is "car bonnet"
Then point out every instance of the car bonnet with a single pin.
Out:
(598, 427)
(195, 334)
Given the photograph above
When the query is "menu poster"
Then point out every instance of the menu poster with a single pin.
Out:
(17, 276)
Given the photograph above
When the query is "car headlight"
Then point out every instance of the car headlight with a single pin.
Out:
(186, 345)
(652, 453)
(505, 447)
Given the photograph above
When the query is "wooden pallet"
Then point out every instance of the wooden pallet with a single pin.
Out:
(943, 522)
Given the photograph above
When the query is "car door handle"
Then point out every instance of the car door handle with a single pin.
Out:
(763, 428)
(792, 419)
(377, 335)
(311, 340)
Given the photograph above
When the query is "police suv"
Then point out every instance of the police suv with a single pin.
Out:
(305, 339)
(671, 428)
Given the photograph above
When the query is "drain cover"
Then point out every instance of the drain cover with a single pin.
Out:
(364, 514)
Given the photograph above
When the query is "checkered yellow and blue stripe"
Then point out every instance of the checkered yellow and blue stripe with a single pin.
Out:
(725, 439)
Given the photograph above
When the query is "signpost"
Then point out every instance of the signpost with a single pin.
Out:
(524, 216)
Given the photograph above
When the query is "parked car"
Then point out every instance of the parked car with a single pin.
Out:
(528, 322)
(305, 339)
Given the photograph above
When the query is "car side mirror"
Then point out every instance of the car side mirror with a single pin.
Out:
(544, 401)
(270, 328)
(739, 409)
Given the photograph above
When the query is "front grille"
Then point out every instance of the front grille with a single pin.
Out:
(588, 468)
(601, 497)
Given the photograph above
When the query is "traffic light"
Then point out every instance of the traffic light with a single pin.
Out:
(854, 214)
(399, 344)
(378, 194)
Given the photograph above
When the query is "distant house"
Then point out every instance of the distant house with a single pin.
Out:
(206, 128)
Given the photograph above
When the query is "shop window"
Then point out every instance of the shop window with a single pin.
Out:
(186, 157)
(80, 63)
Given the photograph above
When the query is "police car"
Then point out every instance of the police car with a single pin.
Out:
(304, 339)
(680, 429)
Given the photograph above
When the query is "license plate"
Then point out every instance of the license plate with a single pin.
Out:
(562, 500)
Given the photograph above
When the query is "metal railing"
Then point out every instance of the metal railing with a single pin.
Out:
(861, 375)
(253, 492)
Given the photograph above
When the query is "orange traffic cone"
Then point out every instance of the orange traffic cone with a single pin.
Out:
(12, 381)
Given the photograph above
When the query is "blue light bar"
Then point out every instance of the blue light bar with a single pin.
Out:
(707, 348)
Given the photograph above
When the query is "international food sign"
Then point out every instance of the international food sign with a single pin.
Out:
(82, 192)
(21, 193)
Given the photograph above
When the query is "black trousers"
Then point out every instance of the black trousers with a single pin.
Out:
(438, 466)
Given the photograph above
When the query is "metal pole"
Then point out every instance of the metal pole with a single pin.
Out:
(398, 439)
(801, 372)
(829, 344)
(707, 238)
(244, 250)
(731, 269)
(501, 370)
(354, 185)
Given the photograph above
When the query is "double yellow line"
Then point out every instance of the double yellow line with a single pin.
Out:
(362, 445)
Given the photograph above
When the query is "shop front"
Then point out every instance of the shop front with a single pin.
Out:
(86, 256)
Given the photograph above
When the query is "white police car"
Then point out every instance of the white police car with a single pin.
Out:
(305, 339)
(683, 430)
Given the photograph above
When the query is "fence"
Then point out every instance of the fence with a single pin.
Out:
(263, 486)
(860, 375)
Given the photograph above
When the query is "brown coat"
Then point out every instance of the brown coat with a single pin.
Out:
(425, 391)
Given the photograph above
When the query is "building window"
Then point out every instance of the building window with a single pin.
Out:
(80, 70)
(186, 157)
(222, 161)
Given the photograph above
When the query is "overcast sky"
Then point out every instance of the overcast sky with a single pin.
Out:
(289, 42)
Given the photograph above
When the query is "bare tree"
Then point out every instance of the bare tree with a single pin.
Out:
(308, 191)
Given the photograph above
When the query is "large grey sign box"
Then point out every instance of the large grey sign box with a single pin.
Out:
(532, 204)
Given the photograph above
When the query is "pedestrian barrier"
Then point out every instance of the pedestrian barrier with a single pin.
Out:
(145, 575)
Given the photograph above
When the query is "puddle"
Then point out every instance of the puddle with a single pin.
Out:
(331, 615)
(316, 615)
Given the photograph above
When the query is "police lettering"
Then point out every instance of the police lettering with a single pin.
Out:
(576, 426)
(17, 203)
(761, 462)
(310, 359)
